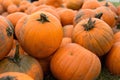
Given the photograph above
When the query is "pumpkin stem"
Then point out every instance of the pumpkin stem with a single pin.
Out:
(9, 31)
(106, 4)
(89, 25)
(43, 18)
(16, 58)
(99, 15)
(118, 26)
(116, 17)
(8, 78)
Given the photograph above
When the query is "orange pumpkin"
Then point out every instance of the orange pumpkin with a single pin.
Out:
(117, 37)
(45, 64)
(67, 30)
(90, 4)
(108, 16)
(14, 17)
(113, 60)
(73, 62)
(118, 10)
(6, 3)
(93, 34)
(14, 76)
(19, 25)
(22, 63)
(6, 37)
(109, 5)
(34, 31)
(1, 9)
(74, 4)
(66, 16)
(16, 2)
(12, 8)
(65, 41)
(55, 3)
(83, 14)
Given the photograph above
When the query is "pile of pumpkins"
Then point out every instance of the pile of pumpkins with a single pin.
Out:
(67, 38)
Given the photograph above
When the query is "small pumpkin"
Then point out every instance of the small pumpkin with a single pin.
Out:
(22, 63)
(109, 5)
(67, 30)
(90, 4)
(73, 62)
(34, 31)
(14, 76)
(66, 15)
(6, 3)
(6, 37)
(74, 4)
(113, 60)
(12, 8)
(93, 34)
(65, 41)
(14, 17)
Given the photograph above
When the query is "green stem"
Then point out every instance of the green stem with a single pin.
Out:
(89, 25)
(8, 78)
(43, 18)
(99, 15)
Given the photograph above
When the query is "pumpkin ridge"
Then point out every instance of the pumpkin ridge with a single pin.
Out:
(43, 18)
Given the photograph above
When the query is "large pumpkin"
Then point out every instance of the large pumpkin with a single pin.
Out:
(40, 34)
(113, 59)
(14, 76)
(73, 62)
(93, 34)
(22, 63)
(6, 37)
(108, 16)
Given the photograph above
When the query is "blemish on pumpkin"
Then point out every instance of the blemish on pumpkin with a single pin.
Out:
(9, 32)
(8, 78)
(71, 54)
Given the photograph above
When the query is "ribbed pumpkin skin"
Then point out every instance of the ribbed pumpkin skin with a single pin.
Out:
(108, 15)
(26, 65)
(99, 39)
(73, 62)
(6, 37)
(40, 39)
(113, 59)
(83, 14)
(14, 17)
(14, 76)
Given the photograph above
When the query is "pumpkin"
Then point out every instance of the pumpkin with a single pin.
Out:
(113, 60)
(6, 37)
(118, 10)
(22, 63)
(55, 3)
(6, 3)
(65, 41)
(74, 4)
(14, 76)
(1, 9)
(109, 5)
(14, 17)
(67, 30)
(45, 64)
(73, 62)
(83, 14)
(117, 37)
(4, 14)
(48, 9)
(34, 31)
(108, 16)
(116, 28)
(67, 16)
(16, 2)
(93, 34)
(12, 8)
(19, 25)
(90, 4)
